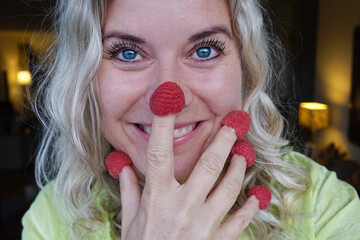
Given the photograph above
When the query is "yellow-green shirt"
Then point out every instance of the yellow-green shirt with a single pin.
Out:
(333, 206)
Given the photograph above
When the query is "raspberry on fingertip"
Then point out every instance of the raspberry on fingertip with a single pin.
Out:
(263, 194)
(238, 120)
(244, 149)
(115, 162)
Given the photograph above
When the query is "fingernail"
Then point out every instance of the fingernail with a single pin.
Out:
(263, 194)
(245, 149)
(116, 161)
(122, 171)
(232, 129)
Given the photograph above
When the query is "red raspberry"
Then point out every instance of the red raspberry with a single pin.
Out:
(167, 98)
(263, 194)
(116, 161)
(238, 120)
(245, 149)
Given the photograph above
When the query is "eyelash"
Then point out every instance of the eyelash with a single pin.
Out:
(117, 47)
(212, 42)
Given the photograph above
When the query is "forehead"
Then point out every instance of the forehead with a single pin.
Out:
(166, 15)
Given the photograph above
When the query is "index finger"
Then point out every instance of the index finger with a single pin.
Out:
(159, 154)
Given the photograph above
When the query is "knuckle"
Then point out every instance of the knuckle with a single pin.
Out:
(232, 189)
(244, 219)
(182, 218)
(157, 157)
(211, 163)
(244, 216)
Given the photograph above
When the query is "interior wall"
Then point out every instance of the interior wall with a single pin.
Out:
(11, 62)
(334, 59)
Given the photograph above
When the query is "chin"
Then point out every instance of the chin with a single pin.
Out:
(185, 162)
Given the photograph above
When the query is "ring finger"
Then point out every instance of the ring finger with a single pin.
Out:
(228, 189)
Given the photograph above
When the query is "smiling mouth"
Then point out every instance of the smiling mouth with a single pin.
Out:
(178, 132)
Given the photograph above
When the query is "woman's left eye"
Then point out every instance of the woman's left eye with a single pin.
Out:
(129, 54)
(205, 53)
(208, 49)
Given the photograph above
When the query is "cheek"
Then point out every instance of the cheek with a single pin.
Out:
(117, 92)
(221, 91)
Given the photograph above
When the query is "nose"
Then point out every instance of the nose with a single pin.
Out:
(170, 72)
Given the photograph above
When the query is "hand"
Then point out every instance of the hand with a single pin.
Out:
(169, 210)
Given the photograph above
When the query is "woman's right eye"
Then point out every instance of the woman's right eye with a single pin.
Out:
(128, 55)
(124, 52)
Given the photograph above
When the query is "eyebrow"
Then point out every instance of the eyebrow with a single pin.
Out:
(124, 36)
(197, 36)
(209, 32)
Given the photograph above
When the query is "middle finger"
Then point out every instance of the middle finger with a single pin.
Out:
(211, 163)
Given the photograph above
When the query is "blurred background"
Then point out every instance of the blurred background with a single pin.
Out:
(321, 90)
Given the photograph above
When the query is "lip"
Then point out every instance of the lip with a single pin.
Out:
(178, 141)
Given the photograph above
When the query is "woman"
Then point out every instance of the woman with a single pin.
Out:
(109, 58)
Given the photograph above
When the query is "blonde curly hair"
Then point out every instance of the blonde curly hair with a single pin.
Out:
(73, 148)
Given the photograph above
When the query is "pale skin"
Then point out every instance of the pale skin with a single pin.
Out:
(167, 209)
(178, 200)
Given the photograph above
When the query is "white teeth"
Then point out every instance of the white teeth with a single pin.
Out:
(147, 129)
(179, 132)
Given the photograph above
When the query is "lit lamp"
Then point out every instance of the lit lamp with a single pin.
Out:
(24, 77)
(313, 116)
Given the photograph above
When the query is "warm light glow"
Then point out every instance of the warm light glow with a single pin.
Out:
(24, 77)
(313, 106)
(314, 115)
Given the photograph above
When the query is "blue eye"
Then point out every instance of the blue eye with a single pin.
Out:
(207, 50)
(203, 52)
(129, 54)
(125, 52)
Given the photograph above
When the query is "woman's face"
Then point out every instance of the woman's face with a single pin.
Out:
(147, 43)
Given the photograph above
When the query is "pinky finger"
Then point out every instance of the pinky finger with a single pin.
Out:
(237, 222)
(130, 197)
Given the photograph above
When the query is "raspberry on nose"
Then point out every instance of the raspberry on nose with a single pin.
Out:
(167, 98)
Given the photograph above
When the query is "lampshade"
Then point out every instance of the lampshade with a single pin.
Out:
(24, 77)
(314, 115)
